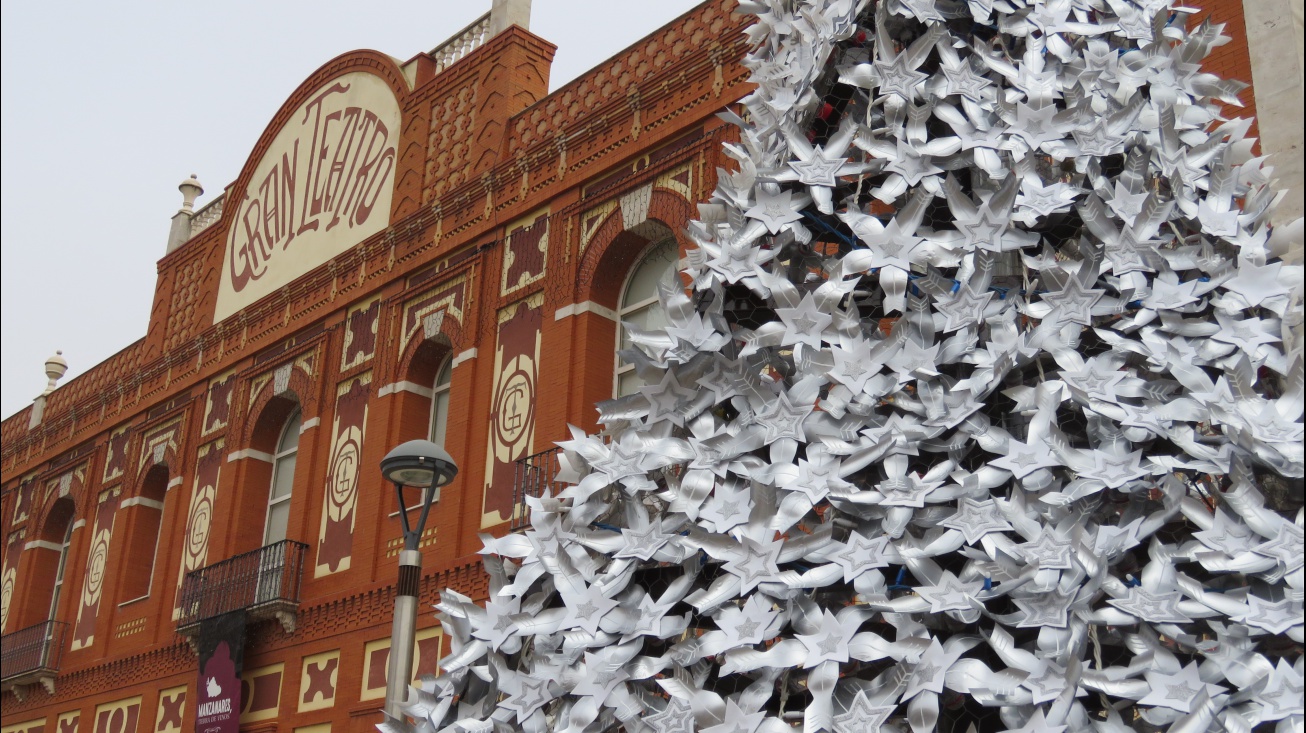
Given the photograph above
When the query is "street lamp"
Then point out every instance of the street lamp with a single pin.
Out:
(418, 464)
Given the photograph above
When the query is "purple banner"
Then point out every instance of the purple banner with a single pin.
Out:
(222, 649)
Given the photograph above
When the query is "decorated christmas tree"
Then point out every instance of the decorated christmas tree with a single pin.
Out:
(981, 409)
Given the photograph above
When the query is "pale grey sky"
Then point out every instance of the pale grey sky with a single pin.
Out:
(107, 106)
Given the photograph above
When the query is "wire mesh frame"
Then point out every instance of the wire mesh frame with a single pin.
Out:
(534, 475)
(265, 580)
(32, 651)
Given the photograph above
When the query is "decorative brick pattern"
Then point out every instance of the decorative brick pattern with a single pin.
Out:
(187, 283)
(260, 693)
(296, 376)
(336, 536)
(161, 446)
(115, 454)
(199, 516)
(217, 403)
(135, 626)
(71, 484)
(171, 715)
(395, 546)
(317, 681)
(512, 411)
(97, 561)
(525, 253)
(9, 575)
(360, 334)
(439, 311)
(121, 716)
(36, 725)
(25, 496)
(376, 661)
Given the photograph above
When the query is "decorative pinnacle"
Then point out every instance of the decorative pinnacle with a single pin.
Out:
(190, 190)
(55, 367)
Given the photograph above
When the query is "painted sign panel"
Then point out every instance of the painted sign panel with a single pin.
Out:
(160, 446)
(9, 574)
(360, 334)
(376, 661)
(335, 541)
(172, 709)
(525, 254)
(118, 717)
(324, 184)
(23, 504)
(317, 681)
(217, 403)
(221, 652)
(261, 693)
(67, 484)
(115, 455)
(96, 566)
(200, 515)
(437, 311)
(512, 416)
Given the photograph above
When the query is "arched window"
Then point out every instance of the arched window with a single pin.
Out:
(440, 402)
(38, 601)
(639, 304)
(59, 573)
(143, 543)
(283, 477)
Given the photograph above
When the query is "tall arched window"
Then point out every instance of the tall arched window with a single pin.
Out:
(143, 542)
(440, 402)
(37, 601)
(59, 573)
(283, 477)
(639, 304)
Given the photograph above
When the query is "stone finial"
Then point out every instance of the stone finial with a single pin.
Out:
(180, 230)
(55, 367)
(190, 190)
(504, 14)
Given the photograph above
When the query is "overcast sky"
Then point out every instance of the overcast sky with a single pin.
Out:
(107, 106)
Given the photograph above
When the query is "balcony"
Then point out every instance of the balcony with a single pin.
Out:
(264, 583)
(31, 655)
(535, 475)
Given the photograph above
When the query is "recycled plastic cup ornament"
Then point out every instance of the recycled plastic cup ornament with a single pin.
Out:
(419, 464)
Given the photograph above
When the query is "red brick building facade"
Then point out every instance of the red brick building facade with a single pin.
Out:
(306, 327)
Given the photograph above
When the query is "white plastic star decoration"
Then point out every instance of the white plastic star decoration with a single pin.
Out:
(983, 411)
(1178, 691)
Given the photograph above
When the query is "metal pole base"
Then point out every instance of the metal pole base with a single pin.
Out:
(403, 633)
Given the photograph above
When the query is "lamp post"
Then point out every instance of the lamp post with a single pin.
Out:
(418, 464)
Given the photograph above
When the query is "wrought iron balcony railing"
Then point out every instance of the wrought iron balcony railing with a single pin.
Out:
(535, 475)
(264, 582)
(32, 655)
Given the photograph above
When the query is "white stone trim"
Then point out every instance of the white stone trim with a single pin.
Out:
(587, 306)
(174, 483)
(141, 501)
(43, 545)
(257, 455)
(413, 387)
(79, 524)
(1274, 46)
(309, 425)
(135, 600)
(467, 355)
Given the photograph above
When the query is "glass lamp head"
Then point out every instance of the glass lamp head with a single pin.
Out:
(419, 464)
